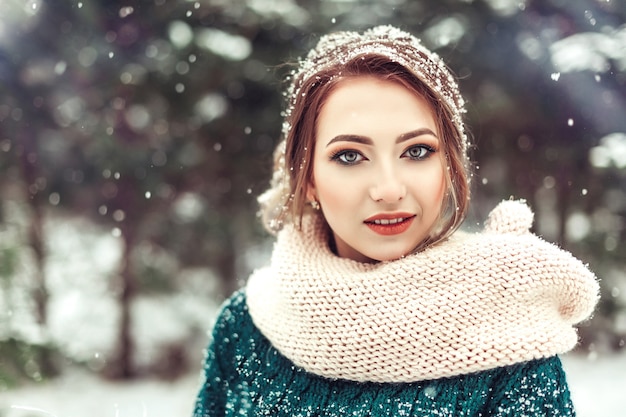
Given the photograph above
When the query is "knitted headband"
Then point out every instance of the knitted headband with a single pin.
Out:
(393, 43)
(338, 49)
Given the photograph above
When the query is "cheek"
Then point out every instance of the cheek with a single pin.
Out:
(337, 191)
(443, 185)
(435, 192)
(330, 189)
(442, 176)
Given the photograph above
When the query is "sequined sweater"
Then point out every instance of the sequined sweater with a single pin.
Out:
(246, 376)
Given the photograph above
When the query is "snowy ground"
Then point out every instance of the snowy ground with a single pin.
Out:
(82, 395)
(598, 387)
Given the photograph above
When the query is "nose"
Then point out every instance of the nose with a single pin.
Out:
(387, 187)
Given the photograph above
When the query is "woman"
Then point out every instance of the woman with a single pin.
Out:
(373, 303)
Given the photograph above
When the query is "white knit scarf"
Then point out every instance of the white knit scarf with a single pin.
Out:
(474, 302)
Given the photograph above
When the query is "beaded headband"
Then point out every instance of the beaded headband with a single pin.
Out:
(337, 49)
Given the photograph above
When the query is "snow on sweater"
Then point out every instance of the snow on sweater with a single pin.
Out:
(245, 376)
(470, 327)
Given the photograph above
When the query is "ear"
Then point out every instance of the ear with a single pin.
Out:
(311, 192)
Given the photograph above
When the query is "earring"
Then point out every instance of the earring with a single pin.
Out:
(315, 204)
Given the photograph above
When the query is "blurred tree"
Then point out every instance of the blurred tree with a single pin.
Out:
(143, 118)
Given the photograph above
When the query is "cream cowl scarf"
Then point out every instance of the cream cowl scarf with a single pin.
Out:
(475, 302)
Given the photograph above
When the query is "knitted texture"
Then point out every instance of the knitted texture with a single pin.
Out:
(475, 302)
(246, 376)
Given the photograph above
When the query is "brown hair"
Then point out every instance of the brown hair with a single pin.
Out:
(387, 54)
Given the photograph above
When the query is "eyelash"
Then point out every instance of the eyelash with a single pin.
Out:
(341, 153)
(429, 151)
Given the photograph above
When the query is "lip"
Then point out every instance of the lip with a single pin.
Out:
(388, 224)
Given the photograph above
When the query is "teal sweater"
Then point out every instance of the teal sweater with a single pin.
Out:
(246, 376)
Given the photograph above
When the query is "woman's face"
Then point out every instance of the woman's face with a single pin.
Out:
(378, 170)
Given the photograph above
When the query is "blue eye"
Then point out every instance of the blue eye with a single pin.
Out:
(348, 157)
(418, 152)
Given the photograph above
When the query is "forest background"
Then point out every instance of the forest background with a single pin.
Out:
(136, 135)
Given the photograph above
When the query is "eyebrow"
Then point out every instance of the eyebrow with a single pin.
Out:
(368, 141)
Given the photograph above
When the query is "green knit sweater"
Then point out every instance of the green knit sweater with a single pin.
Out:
(246, 376)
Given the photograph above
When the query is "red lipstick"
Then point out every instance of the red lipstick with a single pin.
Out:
(388, 224)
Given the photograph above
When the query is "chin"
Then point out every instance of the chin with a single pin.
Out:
(388, 256)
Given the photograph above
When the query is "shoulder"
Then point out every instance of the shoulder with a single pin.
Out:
(232, 313)
(539, 384)
(547, 369)
(543, 371)
(234, 335)
(235, 304)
